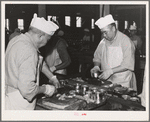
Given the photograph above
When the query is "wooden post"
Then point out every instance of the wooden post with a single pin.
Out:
(42, 11)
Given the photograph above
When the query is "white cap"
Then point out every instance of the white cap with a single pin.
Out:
(104, 21)
(132, 27)
(48, 27)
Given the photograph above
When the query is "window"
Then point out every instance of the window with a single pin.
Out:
(67, 20)
(78, 21)
(125, 24)
(7, 23)
(21, 24)
(92, 23)
(50, 18)
(117, 24)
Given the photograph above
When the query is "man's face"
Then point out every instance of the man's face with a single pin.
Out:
(109, 32)
(132, 32)
(44, 39)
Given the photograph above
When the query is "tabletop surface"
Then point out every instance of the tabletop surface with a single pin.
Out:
(113, 102)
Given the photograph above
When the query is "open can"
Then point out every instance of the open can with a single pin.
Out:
(102, 94)
(77, 88)
(84, 89)
(96, 75)
(94, 89)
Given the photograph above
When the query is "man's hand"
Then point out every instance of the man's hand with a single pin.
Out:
(49, 90)
(94, 70)
(55, 81)
(106, 74)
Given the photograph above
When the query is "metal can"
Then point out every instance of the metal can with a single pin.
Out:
(77, 88)
(84, 89)
(88, 93)
(94, 89)
(98, 97)
(102, 94)
(95, 75)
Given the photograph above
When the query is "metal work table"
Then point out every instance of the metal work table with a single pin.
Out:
(112, 102)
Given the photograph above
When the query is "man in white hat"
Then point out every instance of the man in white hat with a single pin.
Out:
(138, 46)
(135, 38)
(114, 56)
(23, 63)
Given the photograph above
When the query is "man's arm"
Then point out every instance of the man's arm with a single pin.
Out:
(52, 78)
(97, 64)
(139, 44)
(27, 62)
(47, 72)
(64, 56)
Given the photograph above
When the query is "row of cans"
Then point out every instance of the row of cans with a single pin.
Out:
(97, 95)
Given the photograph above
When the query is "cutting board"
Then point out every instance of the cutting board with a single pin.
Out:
(67, 104)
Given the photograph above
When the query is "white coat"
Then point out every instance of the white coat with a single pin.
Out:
(120, 52)
(22, 65)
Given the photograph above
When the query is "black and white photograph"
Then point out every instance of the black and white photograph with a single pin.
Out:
(75, 60)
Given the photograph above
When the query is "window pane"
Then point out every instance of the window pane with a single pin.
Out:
(54, 18)
(78, 21)
(117, 24)
(7, 24)
(50, 18)
(21, 24)
(67, 20)
(125, 24)
(92, 23)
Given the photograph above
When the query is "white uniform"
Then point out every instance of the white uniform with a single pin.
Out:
(22, 64)
(120, 52)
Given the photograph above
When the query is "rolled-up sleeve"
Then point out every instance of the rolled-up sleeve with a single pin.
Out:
(27, 73)
(98, 53)
(128, 50)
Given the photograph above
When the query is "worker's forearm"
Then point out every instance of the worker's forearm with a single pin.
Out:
(63, 65)
(46, 71)
(119, 69)
(96, 64)
(41, 89)
(115, 70)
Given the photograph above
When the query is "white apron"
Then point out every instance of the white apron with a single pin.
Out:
(14, 100)
(53, 60)
(113, 57)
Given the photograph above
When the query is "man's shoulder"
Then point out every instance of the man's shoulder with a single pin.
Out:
(123, 37)
(23, 44)
(62, 42)
(101, 44)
